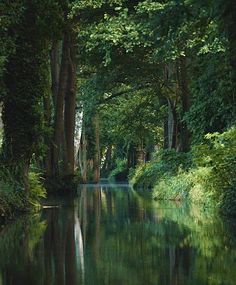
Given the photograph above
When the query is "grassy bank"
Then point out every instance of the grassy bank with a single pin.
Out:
(206, 175)
(15, 201)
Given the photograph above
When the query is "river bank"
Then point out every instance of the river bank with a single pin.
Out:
(205, 175)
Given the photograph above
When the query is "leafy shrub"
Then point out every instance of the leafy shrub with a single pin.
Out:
(194, 184)
(145, 175)
(202, 190)
(219, 153)
(37, 190)
(212, 181)
(14, 199)
(164, 163)
(172, 187)
(120, 172)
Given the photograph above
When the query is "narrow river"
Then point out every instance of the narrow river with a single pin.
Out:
(112, 235)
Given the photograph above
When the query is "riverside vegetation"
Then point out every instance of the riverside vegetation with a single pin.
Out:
(116, 88)
(209, 179)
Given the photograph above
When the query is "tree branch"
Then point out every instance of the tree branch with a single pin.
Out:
(121, 93)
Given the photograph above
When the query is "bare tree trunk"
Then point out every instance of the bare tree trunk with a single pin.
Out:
(59, 112)
(70, 111)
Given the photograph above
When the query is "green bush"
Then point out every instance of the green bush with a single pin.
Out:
(14, 199)
(212, 179)
(120, 172)
(219, 153)
(164, 163)
(145, 175)
(194, 184)
(173, 187)
(37, 190)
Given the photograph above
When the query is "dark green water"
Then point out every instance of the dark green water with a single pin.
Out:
(115, 236)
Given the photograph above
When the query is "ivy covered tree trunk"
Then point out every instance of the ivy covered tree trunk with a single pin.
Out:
(25, 76)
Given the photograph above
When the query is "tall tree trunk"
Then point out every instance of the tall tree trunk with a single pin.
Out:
(1, 124)
(166, 136)
(49, 103)
(78, 132)
(174, 138)
(96, 159)
(47, 139)
(59, 111)
(70, 110)
(140, 153)
(83, 156)
(232, 42)
(132, 157)
(55, 69)
(172, 125)
(107, 162)
(185, 98)
(226, 10)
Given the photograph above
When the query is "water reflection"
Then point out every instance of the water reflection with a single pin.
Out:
(113, 235)
(18, 261)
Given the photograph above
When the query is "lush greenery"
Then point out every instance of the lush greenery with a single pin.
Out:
(163, 164)
(13, 198)
(119, 88)
(209, 180)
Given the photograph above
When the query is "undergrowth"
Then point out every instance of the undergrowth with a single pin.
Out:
(206, 176)
(15, 200)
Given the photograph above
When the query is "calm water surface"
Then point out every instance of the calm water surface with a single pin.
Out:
(112, 235)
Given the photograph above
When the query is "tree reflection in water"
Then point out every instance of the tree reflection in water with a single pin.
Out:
(113, 235)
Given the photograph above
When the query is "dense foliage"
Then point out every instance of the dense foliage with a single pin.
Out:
(144, 89)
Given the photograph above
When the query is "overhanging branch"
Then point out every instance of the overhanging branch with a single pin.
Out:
(124, 92)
